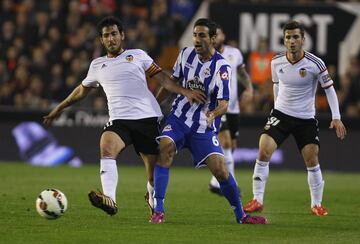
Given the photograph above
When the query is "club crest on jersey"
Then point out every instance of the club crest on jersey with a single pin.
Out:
(196, 84)
(167, 128)
(129, 58)
(224, 75)
(207, 72)
(302, 72)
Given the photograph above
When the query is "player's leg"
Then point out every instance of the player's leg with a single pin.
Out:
(171, 140)
(149, 163)
(161, 177)
(225, 142)
(267, 146)
(275, 132)
(143, 134)
(110, 146)
(315, 180)
(307, 139)
(228, 185)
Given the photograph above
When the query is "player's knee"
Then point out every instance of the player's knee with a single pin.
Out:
(311, 161)
(264, 154)
(221, 175)
(108, 151)
(167, 153)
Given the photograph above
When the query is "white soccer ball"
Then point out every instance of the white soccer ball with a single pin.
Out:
(51, 203)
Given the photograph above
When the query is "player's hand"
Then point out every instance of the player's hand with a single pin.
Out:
(54, 114)
(210, 116)
(339, 128)
(196, 96)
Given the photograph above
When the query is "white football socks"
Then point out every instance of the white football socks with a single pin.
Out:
(150, 189)
(260, 176)
(316, 185)
(229, 161)
(109, 177)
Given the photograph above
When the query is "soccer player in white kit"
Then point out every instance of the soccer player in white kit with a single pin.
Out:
(230, 121)
(133, 110)
(295, 74)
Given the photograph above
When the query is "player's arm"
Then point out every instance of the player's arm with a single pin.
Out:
(327, 84)
(172, 86)
(336, 122)
(244, 79)
(162, 93)
(218, 111)
(76, 95)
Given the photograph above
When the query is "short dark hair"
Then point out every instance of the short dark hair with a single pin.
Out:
(218, 26)
(291, 25)
(209, 24)
(109, 21)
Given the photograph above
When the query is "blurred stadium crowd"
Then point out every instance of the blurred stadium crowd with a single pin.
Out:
(46, 47)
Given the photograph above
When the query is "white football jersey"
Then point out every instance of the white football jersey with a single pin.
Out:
(298, 83)
(235, 59)
(124, 82)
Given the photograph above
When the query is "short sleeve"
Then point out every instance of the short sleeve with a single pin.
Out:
(177, 69)
(222, 82)
(90, 79)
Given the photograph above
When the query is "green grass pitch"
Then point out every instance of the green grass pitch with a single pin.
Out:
(193, 214)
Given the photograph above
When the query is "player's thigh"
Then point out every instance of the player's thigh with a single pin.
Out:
(143, 134)
(172, 136)
(225, 139)
(111, 144)
(278, 127)
(233, 124)
(306, 132)
(202, 145)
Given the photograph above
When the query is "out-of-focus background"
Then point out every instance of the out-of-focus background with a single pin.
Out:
(46, 47)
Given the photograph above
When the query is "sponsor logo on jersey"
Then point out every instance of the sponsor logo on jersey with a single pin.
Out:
(103, 66)
(167, 128)
(302, 72)
(196, 84)
(129, 58)
(326, 78)
(281, 71)
(224, 75)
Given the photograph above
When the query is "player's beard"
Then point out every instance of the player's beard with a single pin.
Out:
(113, 50)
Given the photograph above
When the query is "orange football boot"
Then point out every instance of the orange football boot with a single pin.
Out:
(253, 206)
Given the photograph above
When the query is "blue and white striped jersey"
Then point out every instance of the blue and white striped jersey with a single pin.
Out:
(212, 77)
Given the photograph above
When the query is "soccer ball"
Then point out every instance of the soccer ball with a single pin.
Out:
(51, 203)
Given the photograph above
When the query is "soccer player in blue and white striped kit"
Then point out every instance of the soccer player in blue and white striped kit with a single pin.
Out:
(195, 126)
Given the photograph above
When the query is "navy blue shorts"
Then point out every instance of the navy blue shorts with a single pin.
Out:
(201, 145)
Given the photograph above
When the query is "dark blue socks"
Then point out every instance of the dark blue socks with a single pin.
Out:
(230, 190)
(161, 179)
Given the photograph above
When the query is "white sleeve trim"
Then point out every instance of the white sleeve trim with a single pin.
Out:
(333, 102)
